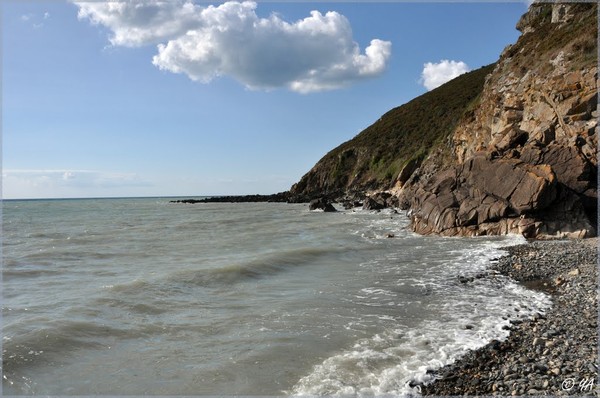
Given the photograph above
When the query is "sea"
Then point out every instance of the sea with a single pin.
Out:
(140, 296)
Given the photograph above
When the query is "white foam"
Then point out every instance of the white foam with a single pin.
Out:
(470, 318)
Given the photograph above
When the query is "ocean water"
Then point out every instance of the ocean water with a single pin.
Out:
(140, 296)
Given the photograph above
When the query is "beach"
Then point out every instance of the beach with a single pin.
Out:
(555, 353)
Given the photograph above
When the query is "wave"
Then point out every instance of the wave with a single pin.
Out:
(252, 269)
(132, 307)
(43, 344)
(262, 266)
(468, 317)
(28, 273)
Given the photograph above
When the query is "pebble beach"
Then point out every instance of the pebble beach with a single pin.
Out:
(555, 353)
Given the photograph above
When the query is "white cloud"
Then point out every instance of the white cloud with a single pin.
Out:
(35, 19)
(137, 23)
(312, 54)
(67, 183)
(434, 75)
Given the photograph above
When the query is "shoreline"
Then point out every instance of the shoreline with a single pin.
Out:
(552, 354)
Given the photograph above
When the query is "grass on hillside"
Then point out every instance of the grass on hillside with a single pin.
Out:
(374, 157)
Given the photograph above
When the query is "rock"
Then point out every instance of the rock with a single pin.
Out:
(541, 367)
(525, 187)
(521, 160)
(575, 272)
(515, 137)
(558, 281)
(408, 170)
(569, 166)
(321, 204)
(527, 146)
(561, 13)
(278, 197)
(585, 106)
(380, 200)
(372, 204)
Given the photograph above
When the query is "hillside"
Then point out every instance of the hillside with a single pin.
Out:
(526, 161)
(509, 148)
(373, 159)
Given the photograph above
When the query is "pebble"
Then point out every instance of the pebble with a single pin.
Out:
(540, 353)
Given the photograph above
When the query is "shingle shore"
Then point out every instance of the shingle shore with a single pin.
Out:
(554, 354)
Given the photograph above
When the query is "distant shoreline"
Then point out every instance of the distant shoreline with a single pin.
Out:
(555, 353)
(278, 197)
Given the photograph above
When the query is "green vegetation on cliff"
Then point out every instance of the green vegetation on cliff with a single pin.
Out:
(577, 38)
(373, 159)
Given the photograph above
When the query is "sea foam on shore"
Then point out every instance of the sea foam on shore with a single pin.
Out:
(553, 354)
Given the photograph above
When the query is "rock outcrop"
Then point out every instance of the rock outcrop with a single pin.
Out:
(395, 144)
(379, 201)
(321, 204)
(509, 148)
(278, 197)
(524, 161)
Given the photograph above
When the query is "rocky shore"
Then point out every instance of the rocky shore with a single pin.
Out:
(554, 354)
(510, 148)
(277, 197)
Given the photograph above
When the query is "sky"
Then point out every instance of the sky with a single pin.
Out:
(185, 98)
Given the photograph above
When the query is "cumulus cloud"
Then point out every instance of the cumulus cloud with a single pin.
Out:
(137, 23)
(312, 54)
(436, 74)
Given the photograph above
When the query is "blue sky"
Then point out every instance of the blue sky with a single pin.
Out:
(148, 99)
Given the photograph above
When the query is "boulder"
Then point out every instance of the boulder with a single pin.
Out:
(321, 204)
(570, 166)
(381, 200)
(536, 190)
(525, 187)
(513, 138)
(371, 203)
(408, 170)
(351, 204)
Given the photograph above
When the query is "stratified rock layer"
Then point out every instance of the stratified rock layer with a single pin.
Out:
(524, 161)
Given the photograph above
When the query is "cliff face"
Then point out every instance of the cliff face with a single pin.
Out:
(525, 161)
(510, 148)
(399, 140)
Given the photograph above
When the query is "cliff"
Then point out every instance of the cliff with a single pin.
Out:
(510, 148)
(402, 137)
(525, 161)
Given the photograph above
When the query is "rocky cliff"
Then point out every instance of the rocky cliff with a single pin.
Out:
(399, 140)
(525, 161)
(511, 148)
